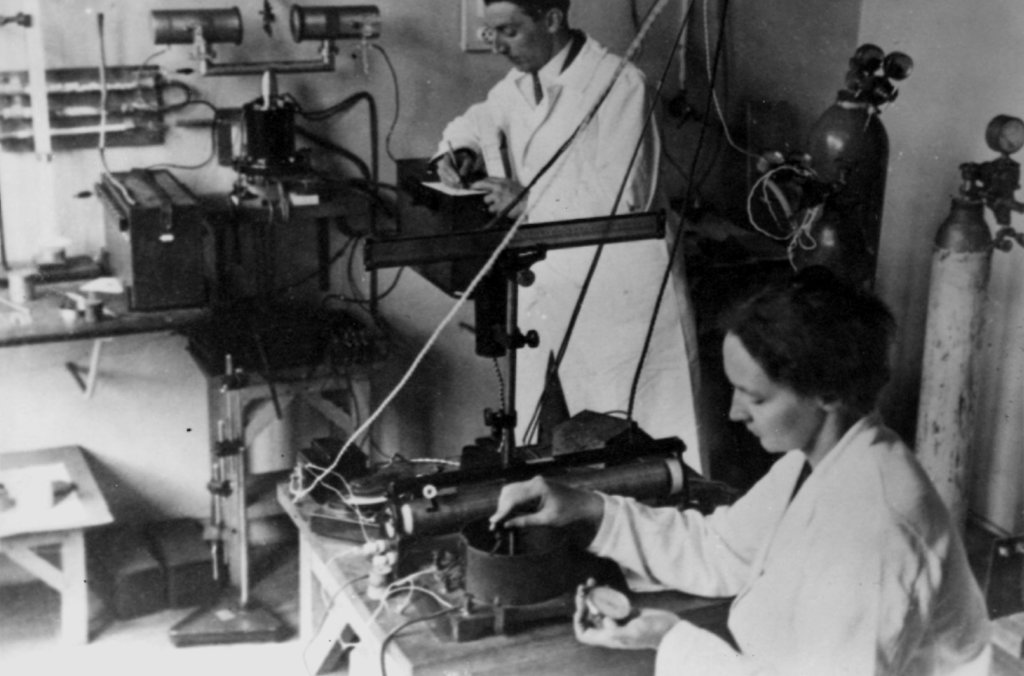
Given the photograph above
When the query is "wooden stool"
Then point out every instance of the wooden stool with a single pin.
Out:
(26, 528)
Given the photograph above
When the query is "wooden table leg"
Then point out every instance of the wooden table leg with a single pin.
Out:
(69, 580)
(306, 609)
(74, 599)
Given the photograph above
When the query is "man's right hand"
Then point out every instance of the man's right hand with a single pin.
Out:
(467, 164)
(545, 504)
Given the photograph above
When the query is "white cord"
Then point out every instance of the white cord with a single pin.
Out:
(765, 182)
(711, 85)
(802, 237)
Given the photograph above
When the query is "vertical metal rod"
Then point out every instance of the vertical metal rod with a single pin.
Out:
(217, 502)
(233, 416)
(512, 330)
(243, 529)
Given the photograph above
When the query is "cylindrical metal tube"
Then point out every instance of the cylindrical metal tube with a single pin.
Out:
(179, 26)
(335, 23)
(656, 478)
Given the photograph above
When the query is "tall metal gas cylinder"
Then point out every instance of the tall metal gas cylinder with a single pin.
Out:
(849, 149)
(961, 263)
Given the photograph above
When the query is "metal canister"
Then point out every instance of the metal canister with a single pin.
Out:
(22, 285)
(517, 567)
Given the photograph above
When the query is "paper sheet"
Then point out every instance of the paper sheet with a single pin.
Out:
(456, 192)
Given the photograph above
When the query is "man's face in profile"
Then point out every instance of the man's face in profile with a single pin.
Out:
(527, 42)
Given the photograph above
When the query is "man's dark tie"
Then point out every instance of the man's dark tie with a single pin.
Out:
(538, 91)
(805, 472)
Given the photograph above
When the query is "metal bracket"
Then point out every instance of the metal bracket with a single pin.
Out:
(88, 384)
(1004, 588)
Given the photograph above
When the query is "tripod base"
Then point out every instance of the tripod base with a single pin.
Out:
(227, 621)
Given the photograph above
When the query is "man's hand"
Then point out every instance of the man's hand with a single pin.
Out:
(466, 164)
(500, 193)
(545, 504)
(643, 632)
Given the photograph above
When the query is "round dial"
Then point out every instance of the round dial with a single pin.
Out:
(1005, 134)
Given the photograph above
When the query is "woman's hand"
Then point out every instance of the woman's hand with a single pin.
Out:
(538, 502)
(643, 632)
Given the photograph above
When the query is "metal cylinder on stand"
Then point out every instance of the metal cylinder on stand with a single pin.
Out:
(960, 268)
(961, 264)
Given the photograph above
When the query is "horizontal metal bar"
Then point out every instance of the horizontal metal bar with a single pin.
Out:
(541, 236)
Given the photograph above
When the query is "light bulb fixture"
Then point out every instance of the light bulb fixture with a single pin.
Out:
(185, 26)
(203, 28)
(356, 22)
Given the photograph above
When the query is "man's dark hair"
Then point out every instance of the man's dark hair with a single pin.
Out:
(819, 335)
(536, 8)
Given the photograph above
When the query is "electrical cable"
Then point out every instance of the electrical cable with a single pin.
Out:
(327, 614)
(103, 93)
(398, 104)
(213, 140)
(354, 285)
(711, 79)
(174, 84)
(335, 257)
(675, 245)
(344, 105)
(503, 245)
(102, 145)
(363, 168)
(394, 632)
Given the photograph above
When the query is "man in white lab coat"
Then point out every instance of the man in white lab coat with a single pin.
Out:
(559, 74)
(842, 559)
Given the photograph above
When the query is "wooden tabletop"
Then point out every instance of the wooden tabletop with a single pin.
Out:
(84, 507)
(40, 319)
(550, 647)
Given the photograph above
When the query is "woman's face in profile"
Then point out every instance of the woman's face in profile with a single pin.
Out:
(782, 419)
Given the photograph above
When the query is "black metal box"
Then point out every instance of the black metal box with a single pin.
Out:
(126, 574)
(156, 239)
(187, 562)
(424, 211)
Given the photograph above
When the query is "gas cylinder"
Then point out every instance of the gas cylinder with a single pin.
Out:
(849, 149)
(961, 263)
(945, 422)
(829, 241)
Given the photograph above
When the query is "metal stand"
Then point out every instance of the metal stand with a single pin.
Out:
(530, 244)
(231, 619)
(515, 267)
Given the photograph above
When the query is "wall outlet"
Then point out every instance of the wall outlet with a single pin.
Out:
(473, 28)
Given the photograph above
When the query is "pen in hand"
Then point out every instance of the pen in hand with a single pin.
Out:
(455, 165)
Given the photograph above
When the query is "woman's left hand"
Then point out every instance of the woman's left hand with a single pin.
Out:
(643, 631)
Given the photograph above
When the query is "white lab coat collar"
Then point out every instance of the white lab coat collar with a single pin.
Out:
(800, 510)
(578, 76)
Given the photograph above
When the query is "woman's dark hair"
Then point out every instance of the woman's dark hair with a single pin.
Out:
(818, 335)
(536, 8)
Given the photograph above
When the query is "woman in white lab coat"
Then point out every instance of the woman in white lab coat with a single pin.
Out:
(558, 77)
(842, 559)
